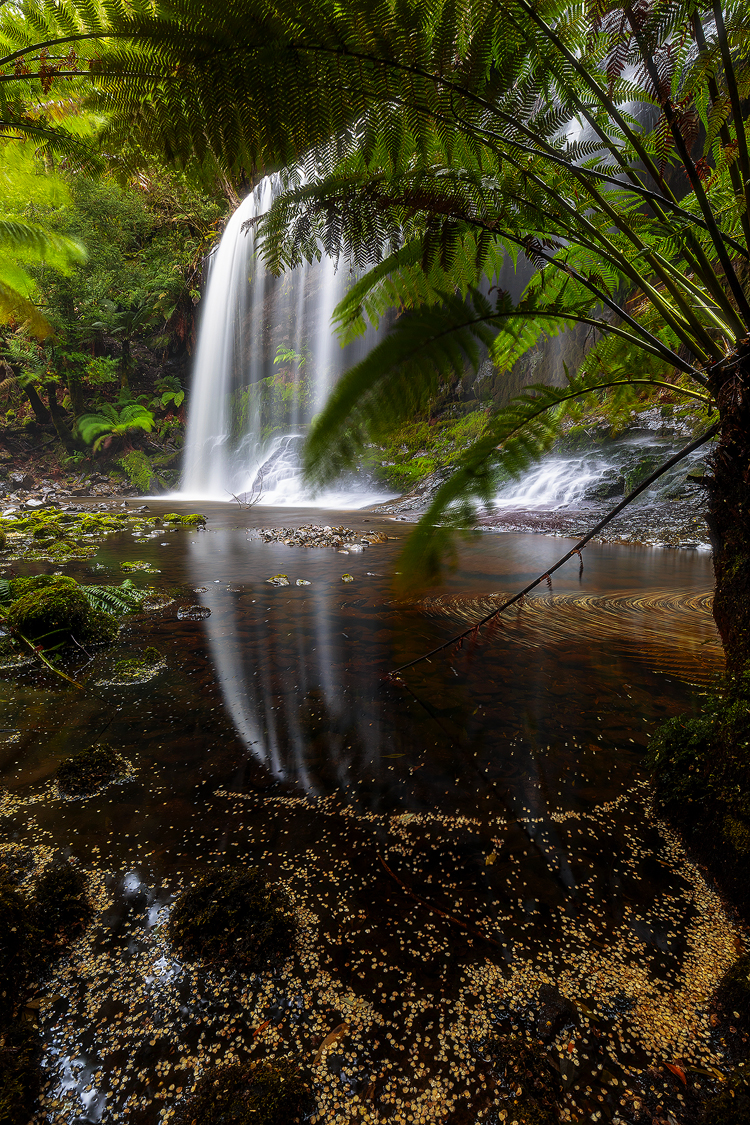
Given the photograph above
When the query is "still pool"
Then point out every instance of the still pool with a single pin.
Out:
(453, 842)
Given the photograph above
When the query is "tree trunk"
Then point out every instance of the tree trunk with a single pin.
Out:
(729, 511)
(41, 413)
(58, 420)
(125, 364)
(75, 390)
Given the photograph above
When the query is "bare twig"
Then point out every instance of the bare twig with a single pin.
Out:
(458, 640)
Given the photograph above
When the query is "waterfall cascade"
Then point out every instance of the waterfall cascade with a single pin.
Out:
(266, 360)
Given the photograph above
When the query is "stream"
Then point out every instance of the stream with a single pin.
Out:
(452, 843)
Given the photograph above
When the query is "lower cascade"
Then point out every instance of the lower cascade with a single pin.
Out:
(266, 360)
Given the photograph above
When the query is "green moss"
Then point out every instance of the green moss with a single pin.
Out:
(135, 666)
(138, 470)
(263, 1093)
(416, 449)
(138, 564)
(89, 769)
(233, 915)
(64, 908)
(57, 612)
(3, 540)
(20, 1054)
(32, 582)
(194, 520)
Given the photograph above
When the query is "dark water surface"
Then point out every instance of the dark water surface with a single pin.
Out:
(452, 842)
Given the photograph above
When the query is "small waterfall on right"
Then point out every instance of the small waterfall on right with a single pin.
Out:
(266, 360)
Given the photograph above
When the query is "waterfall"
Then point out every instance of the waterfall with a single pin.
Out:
(266, 360)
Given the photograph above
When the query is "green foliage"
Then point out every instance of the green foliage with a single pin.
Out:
(415, 449)
(109, 422)
(269, 1092)
(90, 769)
(233, 915)
(64, 908)
(115, 600)
(138, 469)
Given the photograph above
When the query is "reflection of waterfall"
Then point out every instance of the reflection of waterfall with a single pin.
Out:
(285, 691)
(266, 360)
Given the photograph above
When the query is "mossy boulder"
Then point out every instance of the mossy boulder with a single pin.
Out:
(56, 613)
(63, 905)
(701, 768)
(90, 769)
(262, 1093)
(233, 915)
(20, 1054)
(32, 583)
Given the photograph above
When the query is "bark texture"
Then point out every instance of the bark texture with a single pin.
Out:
(729, 510)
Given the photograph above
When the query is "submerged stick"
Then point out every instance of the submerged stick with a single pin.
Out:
(474, 630)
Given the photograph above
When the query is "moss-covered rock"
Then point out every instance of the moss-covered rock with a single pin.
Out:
(701, 768)
(90, 769)
(175, 518)
(56, 613)
(263, 1093)
(233, 915)
(64, 907)
(20, 1053)
(30, 583)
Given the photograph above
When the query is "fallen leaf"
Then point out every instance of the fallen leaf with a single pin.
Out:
(262, 1027)
(678, 1071)
(329, 1040)
(490, 859)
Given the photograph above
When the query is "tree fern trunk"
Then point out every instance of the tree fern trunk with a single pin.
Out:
(729, 511)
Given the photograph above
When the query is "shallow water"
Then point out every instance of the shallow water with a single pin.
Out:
(451, 842)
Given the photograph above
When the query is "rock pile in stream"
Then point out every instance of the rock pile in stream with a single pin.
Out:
(313, 535)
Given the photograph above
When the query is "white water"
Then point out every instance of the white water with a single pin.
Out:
(246, 315)
(554, 483)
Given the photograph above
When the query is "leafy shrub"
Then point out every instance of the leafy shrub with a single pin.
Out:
(108, 421)
(89, 769)
(138, 469)
(264, 1093)
(233, 915)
